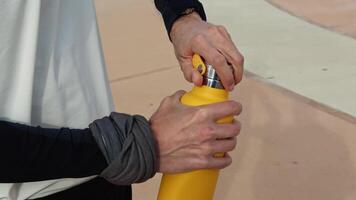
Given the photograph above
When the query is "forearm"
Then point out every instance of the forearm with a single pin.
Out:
(34, 153)
(120, 148)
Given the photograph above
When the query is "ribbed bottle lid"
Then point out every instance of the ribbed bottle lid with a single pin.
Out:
(211, 78)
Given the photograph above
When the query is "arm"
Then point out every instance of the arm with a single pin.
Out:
(123, 149)
(119, 147)
(34, 153)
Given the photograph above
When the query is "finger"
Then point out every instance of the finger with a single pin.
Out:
(223, 42)
(219, 162)
(224, 131)
(217, 111)
(216, 59)
(177, 96)
(224, 145)
(224, 70)
(233, 56)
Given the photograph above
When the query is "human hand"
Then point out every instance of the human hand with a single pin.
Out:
(190, 34)
(188, 137)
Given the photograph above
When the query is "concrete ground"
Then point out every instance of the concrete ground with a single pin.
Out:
(336, 15)
(299, 135)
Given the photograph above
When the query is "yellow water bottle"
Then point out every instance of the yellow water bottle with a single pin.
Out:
(199, 184)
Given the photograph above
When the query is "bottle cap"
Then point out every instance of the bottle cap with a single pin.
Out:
(211, 78)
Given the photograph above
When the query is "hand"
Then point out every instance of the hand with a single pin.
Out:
(190, 34)
(187, 136)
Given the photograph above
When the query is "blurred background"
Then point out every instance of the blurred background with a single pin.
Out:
(299, 91)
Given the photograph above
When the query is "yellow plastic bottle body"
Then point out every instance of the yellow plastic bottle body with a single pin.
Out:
(199, 184)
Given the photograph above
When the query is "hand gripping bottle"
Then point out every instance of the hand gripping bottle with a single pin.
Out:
(199, 184)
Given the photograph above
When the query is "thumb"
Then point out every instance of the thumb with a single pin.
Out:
(187, 69)
(177, 96)
(197, 78)
(191, 74)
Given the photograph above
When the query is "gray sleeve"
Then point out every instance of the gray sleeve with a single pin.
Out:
(128, 146)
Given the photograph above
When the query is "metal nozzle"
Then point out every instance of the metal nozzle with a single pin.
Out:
(211, 79)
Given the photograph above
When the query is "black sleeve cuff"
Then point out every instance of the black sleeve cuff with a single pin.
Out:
(171, 10)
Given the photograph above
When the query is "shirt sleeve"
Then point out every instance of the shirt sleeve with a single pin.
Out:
(171, 10)
(34, 154)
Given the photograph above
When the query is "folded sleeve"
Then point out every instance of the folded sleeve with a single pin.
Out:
(171, 10)
(33, 153)
(128, 146)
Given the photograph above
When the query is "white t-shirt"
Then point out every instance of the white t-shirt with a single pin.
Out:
(52, 74)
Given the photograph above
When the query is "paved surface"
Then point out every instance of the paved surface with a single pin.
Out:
(291, 147)
(337, 15)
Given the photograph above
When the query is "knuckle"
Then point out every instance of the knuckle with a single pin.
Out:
(236, 130)
(222, 28)
(201, 114)
(233, 144)
(199, 38)
(219, 60)
(238, 79)
(239, 126)
(213, 29)
(228, 161)
(239, 68)
(206, 133)
(239, 74)
(236, 107)
(239, 108)
(242, 59)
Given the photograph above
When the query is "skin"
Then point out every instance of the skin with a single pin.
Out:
(188, 137)
(190, 34)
